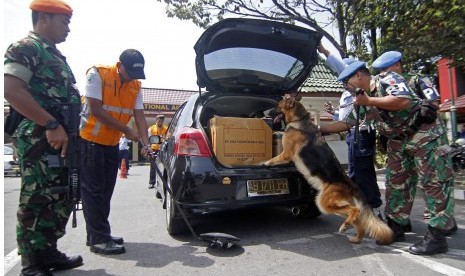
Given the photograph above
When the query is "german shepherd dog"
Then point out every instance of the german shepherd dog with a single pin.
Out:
(314, 159)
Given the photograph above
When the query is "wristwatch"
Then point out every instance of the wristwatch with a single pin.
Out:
(51, 124)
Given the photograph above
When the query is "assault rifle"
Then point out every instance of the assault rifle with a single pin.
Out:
(70, 121)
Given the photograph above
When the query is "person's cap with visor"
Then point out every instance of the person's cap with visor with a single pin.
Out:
(133, 63)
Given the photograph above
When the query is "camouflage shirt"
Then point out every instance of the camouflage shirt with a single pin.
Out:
(423, 86)
(44, 69)
(395, 124)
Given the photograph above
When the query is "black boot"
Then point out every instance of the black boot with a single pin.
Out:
(398, 230)
(434, 242)
(31, 266)
(54, 259)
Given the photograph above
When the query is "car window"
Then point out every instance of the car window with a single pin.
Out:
(174, 121)
(267, 65)
(7, 150)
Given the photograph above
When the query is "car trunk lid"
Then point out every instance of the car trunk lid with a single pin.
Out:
(251, 56)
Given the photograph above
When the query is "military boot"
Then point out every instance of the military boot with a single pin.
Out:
(434, 242)
(52, 258)
(31, 266)
(399, 235)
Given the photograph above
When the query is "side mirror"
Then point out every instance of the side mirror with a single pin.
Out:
(155, 139)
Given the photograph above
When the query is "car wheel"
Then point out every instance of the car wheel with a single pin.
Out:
(174, 225)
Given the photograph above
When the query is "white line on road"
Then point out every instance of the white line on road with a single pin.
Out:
(438, 267)
(11, 260)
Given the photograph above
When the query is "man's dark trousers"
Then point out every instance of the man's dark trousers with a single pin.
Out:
(152, 169)
(99, 169)
(361, 165)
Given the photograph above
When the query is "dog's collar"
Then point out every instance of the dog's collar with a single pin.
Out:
(305, 117)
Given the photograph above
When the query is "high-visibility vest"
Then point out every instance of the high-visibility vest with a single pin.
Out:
(118, 100)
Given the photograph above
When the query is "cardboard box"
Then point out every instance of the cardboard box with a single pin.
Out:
(240, 141)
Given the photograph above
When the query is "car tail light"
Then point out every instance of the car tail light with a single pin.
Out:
(191, 142)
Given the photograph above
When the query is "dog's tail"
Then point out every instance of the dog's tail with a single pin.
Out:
(375, 227)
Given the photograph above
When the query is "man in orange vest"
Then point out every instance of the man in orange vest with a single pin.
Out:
(112, 96)
(156, 129)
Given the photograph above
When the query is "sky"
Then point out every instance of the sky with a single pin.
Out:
(102, 29)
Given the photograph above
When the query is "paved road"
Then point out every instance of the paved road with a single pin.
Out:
(273, 242)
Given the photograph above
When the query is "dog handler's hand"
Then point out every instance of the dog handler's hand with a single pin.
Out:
(362, 99)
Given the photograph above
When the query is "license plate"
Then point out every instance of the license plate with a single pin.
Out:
(267, 187)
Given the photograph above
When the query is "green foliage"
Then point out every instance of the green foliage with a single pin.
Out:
(422, 29)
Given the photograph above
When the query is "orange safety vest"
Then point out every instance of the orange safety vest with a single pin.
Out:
(118, 99)
(154, 130)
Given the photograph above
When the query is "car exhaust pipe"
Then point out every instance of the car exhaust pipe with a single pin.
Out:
(295, 210)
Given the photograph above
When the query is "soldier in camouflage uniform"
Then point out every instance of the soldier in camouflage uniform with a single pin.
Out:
(36, 78)
(423, 87)
(416, 150)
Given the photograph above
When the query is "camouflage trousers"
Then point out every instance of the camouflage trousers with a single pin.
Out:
(42, 216)
(431, 165)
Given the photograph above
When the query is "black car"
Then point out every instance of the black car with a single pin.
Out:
(246, 66)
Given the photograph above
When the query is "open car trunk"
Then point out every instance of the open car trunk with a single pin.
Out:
(240, 129)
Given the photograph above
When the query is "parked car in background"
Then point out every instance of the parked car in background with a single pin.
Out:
(10, 164)
(247, 66)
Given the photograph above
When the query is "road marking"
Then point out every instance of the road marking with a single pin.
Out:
(402, 247)
(371, 261)
(11, 260)
(438, 267)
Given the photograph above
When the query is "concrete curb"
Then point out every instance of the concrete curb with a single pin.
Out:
(459, 190)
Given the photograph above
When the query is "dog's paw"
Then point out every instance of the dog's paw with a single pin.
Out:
(344, 227)
(355, 240)
(264, 163)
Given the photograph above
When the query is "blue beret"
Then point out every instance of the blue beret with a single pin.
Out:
(387, 59)
(351, 69)
(348, 60)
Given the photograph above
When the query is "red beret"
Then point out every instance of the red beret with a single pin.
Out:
(51, 6)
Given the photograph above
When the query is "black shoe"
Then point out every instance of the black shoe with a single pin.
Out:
(151, 186)
(60, 261)
(158, 195)
(434, 242)
(117, 240)
(108, 248)
(31, 267)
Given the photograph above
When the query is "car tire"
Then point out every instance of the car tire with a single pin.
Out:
(175, 225)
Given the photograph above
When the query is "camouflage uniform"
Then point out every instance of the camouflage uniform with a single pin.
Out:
(416, 151)
(42, 216)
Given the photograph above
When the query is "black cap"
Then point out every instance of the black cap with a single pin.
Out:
(134, 63)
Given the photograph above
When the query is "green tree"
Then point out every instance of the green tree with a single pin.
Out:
(421, 29)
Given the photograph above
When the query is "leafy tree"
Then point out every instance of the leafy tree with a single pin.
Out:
(422, 29)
